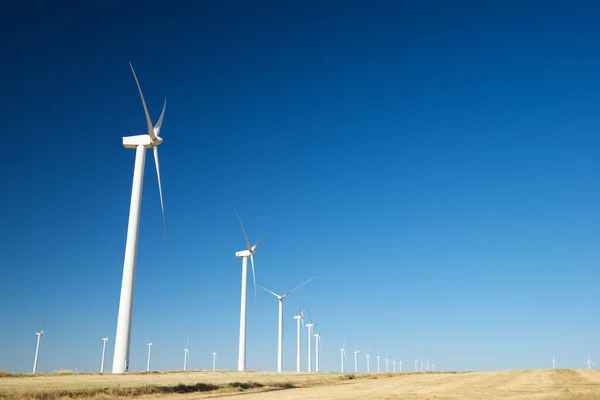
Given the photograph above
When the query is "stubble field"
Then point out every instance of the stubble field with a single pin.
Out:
(518, 384)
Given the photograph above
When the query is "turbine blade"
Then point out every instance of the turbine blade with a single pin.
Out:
(162, 206)
(243, 230)
(267, 290)
(253, 275)
(298, 286)
(255, 244)
(150, 130)
(160, 119)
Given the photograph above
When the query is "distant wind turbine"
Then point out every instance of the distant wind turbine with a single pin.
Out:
(356, 359)
(589, 362)
(400, 365)
(280, 329)
(387, 363)
(343, 354)
(104, 340)
(309, 326)
(214, 361)
(150, 344)
(378, 357)
(317, 345)
(416, 366)
(140, 143)
(186, 353)
(300, 321)
(432, 367)
(394, 364)
(244, 254)
(369, 360)
(554, 363)
(37, 349)
(427, 363)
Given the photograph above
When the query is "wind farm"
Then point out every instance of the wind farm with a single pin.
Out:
(411, 192)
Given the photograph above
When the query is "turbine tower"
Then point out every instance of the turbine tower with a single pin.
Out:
(280, 330)
(378, 357)
(427, 363)
(300, 320)
(343, 354)
(37, 349)
(140, 143)
(104, 339)
(394, 364)
(554, 363)
(416, 366)
(589, 362)
(400, 366)
(317, 345)
(186, 353)
(309, 326)
(214, 361)
(387, 363)
(356, 359)
(244, 254)
(432, 367)
(368, 360)
(150, 344)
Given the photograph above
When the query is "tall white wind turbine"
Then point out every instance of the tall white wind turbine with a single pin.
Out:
(309, 326)
(104, 340)
(214, 361)
(589, 362)
(368, 360)
(150, 344)
(299, 320)
(432, 367)
(280, 329)
(427, 363)
(343, 354)
(394, 365)
(186, 353)
(416, 366)
(244, 254)
(37, 349)
(421, 364)
(356, 359)
(140, 143)
(400, 366)
(378, 357)
(317, 346)
(554, 363)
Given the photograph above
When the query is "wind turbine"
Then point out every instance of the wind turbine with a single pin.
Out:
(356, 359)
(416, 366)
(400, 366)
(394, 364)
(378, 357)
(554, 363)
(37, 349)
(186, 353)
(244, 254)
(104, 339)
(432, 367)
(589, 362)
(150, 344)
(280, 332)
(343, 354)
(368, 360)
(214, 361)
(299, 318)
(421, 364)
(317, 345)
(387, 363)
(427, 363)
(140, 143)
(309, 326)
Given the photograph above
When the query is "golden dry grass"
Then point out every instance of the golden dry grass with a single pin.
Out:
(513, 385)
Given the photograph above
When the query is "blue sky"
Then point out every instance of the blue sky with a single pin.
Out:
(433, 164)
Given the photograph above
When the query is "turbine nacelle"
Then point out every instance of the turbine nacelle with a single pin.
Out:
(131, 142)
(244, 253)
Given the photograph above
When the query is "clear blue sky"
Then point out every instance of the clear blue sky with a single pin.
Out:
(433, 164)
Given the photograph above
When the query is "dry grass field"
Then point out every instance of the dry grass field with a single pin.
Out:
(522, 384)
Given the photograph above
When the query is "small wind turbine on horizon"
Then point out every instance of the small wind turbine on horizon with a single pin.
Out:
(309, 326)
(369, 360)
(37, 349)
(244, 254)
(378, 357)
(317, 345)
(186, 353)
(343, 354)
(394, 364)
(300, 321)
(214, 361)
(150, 344)
(280, 326)
(104, 340)
(400, 365)
(140, 143)
(356, 359)
(427, 363)
(416, 366)
(554, 363)
(387, 363)
(589, 362)
(432, 367)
